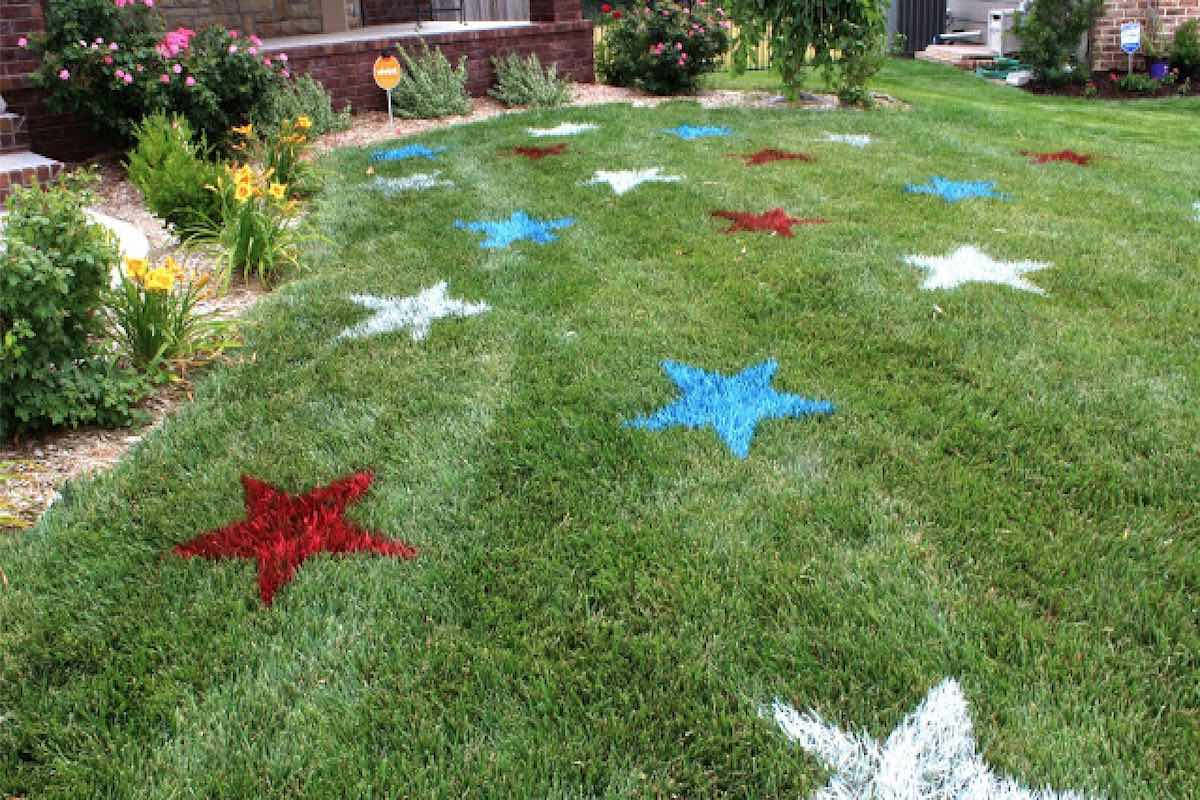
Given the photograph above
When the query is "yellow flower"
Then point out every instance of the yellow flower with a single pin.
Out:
(136, 268)
(246, 130)
(243, 192)
(278, 191)
(303, 122)
(160, 280)
(172, 266)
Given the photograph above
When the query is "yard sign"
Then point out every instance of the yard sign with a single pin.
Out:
(1131, 40)
(387, 75)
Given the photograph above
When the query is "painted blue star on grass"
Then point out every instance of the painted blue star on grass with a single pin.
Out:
(520, 225)
(953, 191)
(691, 132)
(406, 152)
(730, 405)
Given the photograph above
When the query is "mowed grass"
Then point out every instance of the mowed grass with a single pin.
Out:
(1006, 494)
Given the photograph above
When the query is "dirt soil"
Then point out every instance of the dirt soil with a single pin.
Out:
(34, 470)
(1107, 87)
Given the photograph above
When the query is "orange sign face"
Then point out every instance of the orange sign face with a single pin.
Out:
(387, 72)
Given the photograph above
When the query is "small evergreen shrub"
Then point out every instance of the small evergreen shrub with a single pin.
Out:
(54, 270)
(172, 172)
(523, 82)
(1185, 49)
(1139, 83)
(430, 87)
(303, 97)
(1050, 31)
(662, 47)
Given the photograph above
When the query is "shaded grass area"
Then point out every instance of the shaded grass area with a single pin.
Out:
(1006, 494)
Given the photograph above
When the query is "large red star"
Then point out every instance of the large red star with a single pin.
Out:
(536, 153)
(281, 531)
(770, 154)
(776, 220)
(1061, 155)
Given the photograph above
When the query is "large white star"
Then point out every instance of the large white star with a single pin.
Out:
(858, 140)
(565, 129)
(968, 264)
(929, 756)
(622, 180)
(415, 312)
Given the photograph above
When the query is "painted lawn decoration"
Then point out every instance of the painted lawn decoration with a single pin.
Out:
(1196, 208)
(968, 264)
(1060, 155)
(538, 153)
(565, 129)
(769, 154)
(730, 405)
(413, 183)
(520, 226)
(859, 140)
(692, 132)
(931, 755)
(775, 221)
(623, 180)
(282, 531)
(415, 313)
(407, 152)
(954, 191)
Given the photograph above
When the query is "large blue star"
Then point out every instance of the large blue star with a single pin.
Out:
(408, 151)
(953, 191)
(690, 132)
(730, 405)
(520, 225)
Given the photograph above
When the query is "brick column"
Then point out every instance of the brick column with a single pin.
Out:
(17, 18)
(554, 10)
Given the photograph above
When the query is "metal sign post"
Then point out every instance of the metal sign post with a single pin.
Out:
(387, 75)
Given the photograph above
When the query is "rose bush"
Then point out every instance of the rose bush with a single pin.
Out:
(661, 47)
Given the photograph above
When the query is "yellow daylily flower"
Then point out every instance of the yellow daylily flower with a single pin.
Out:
(243, 192)
(303, 122)
(135, 268)
(172, 266)
(246, 130)
(278, 191)
(160, 280)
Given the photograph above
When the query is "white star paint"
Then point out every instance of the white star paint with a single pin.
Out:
(853, 139)
(930, 755)
(622, 180)
(1196, 208)
(412, 183)
(968, 264)
(414, 313)
(565, 129)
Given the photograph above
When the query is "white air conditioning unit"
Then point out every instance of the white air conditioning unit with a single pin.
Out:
(1000, 37)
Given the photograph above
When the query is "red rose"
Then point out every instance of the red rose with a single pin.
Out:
(605, 8)
(616, 15)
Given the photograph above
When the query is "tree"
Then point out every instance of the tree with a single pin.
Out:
(1050, 32)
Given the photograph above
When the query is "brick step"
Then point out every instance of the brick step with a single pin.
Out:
(13, 136)
(22, 168)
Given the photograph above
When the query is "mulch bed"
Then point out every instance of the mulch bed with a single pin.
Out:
(1108, 87)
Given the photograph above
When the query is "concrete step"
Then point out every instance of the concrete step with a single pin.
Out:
(22, 168)
(13, 136)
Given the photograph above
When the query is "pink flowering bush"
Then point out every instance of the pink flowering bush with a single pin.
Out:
(114, 62)
(661, 47)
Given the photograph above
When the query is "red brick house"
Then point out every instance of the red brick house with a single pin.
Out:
(1106, 36)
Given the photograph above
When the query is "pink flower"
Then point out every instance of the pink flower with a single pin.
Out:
(190, 81)
(164, 78)
(681, 60)
(139, 67)
(267, 61)
(64, 75)
(149, 3)
(232, 49)
(177, 68)
(233, 34)
(127, 78)
(98, 40)
(286, 74)
(282, 57)
(120, 3)
(252, 51)
(114, 46)
(22, 42)
(679, 45)
(108, 61)
(254, 40)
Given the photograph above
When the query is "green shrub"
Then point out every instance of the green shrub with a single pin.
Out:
(303, 97)
(1139, 83)
(115, 63)
(53, 274)
(430, 87)
(1050, 31)
(171, 171)
(662, 48)
(523, 82)
(1185, 49)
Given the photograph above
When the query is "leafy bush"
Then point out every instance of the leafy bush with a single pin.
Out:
(152, 313)
(114, 62)
(1050, 31)
(661, 48)
(302, 97)
(282, 153)
(1185, 49)
(53, 273)
(523, 82)
(430, 87)
(171, 171)
(1138, 83)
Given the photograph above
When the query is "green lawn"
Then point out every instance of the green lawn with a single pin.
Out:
(1006, 493)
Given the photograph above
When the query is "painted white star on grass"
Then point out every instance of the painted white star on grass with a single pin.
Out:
(622, 180)
(565, 129)
(929, 756)
(1196, 208)
(968, 264)
(859, 140)
(415, 312)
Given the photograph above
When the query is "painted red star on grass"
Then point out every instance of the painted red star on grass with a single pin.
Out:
(776, 221)
(536, 153)
(1061, 155)
(282, 531)
(769, 154)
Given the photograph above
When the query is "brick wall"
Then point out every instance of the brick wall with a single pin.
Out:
(1106, 36)
(17, 18)
(262, 17)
